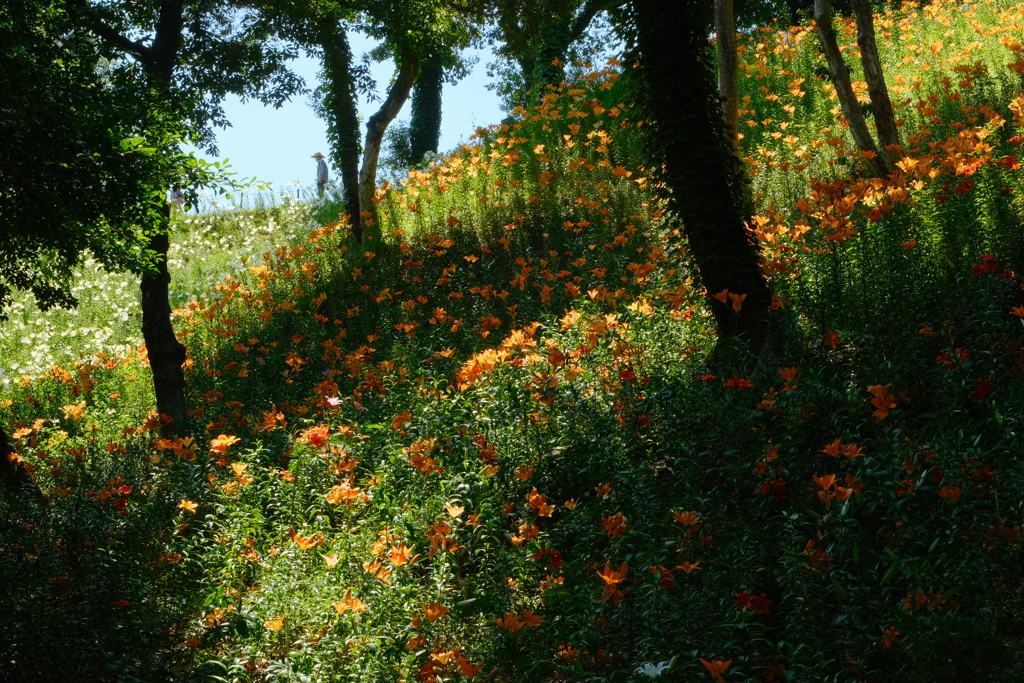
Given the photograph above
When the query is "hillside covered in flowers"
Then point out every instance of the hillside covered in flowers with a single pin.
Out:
(496, 445)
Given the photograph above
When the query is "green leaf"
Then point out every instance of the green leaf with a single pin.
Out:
(892, 572)
(840, 591)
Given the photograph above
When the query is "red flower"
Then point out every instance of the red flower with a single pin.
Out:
(890, 638)
(777, 488)
(738, 382)
(983, 390)
(756, 603)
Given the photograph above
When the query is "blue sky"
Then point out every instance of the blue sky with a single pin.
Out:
(275, 145)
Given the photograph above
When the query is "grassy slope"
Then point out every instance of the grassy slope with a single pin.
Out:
(495, 433)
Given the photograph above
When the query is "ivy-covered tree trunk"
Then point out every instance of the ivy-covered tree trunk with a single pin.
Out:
(425, 123)
(840, 75)
(706, 180)
(375, 128)
(339, 106)
(548, 62)
(881, 105)
(728, 68)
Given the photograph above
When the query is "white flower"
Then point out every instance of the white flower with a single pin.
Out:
(652, 670)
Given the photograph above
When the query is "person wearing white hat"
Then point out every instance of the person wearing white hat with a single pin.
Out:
(321, 173)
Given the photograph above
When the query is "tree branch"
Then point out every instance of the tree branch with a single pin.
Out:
(104, 31)
(840, 75)
(408, 71)
(590, 10)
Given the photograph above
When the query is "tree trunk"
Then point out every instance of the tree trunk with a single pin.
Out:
(425, 125)
(342, 115)
(166, 353)
(555, 43)
(375, 128)
(881, 105)
(840, 75)
(549, 63)
(728, 70)
(707, 182)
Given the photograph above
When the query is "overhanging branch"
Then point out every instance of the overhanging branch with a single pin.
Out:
(104, 31)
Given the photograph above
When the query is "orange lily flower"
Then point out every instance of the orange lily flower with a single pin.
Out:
(221, 443)
(468, 669)
(349, 602)
(434, 611)
(687, 518)
(510, 622)
(833, 449)
(851, 451)
(825, 481)
(532, 620)
(305, 542)
(614, 525)
(716, 667)
(611, 578)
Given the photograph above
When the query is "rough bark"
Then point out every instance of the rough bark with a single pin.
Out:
(708, 186)
(840, 75)
(728, 69)
(375, 128)
(343, 117)
(13, 474)
(881, 105)
(425, 123)
(166, 353)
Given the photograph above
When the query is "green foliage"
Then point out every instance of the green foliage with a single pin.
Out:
(397, 156)
(86, 136)
(68, 133)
